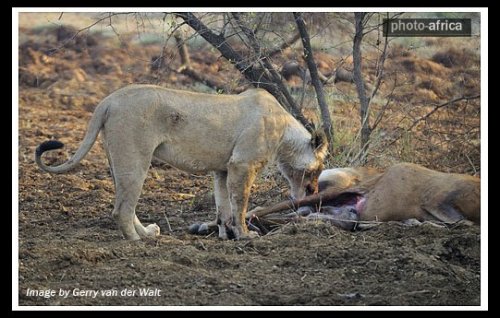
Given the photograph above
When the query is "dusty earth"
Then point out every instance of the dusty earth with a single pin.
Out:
(68, 240)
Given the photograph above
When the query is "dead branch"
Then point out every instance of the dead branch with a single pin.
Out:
(313, 71)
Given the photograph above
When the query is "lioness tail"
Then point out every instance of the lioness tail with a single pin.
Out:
(95, 125)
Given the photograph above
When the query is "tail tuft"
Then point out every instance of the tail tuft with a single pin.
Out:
(48, 145)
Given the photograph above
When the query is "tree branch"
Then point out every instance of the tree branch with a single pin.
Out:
(87, 28)
(380, 114)
(220, 43)
(269, 67)
(257, 77)
(313, 71)
(379, 72)
(364, 111)
(183, 50)
(436, 108)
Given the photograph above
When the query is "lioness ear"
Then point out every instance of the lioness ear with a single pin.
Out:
(319, 142)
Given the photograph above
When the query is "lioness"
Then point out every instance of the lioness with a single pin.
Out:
(233, 136)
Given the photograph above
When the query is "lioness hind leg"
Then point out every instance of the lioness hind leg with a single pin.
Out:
(128, 186)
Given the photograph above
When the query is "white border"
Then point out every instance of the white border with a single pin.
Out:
(484, 160)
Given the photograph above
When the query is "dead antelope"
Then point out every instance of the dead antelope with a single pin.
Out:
(404, 191)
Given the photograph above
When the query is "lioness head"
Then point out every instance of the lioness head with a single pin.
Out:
(304, 167)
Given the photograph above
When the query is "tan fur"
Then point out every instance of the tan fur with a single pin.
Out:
(233, 136)
(406, 191)
(344, 178)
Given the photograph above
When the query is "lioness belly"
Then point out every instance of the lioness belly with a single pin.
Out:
(190, 160)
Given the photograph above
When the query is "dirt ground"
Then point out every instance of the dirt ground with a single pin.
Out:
(69, 242)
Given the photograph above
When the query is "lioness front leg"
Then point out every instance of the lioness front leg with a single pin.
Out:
(222, 202)
(241, 176)
(223, 209)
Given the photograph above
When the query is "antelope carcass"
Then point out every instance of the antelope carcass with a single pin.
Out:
(404, 191)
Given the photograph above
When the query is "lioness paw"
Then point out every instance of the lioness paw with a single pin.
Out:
(152, 230)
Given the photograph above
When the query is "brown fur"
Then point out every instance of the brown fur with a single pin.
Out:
(344, 178)
(406, 191)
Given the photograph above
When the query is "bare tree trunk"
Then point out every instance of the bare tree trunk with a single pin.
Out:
(188, 70)
(183, 50)
(257, 77)
(315, 79)
(359, 82)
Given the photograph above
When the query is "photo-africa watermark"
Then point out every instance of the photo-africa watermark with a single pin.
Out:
(427, 27)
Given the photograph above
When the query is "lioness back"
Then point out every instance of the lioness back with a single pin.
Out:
(192, 108)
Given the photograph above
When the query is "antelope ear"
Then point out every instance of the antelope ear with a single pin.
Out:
(319, 142)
